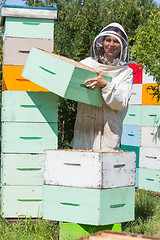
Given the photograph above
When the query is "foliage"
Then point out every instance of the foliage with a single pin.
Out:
(78, 22)
(147, 214)
(146, 49)
(67, 114)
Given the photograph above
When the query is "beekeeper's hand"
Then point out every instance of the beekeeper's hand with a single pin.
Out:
(98, 82)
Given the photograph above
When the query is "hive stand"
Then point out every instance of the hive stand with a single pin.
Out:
(141, 130)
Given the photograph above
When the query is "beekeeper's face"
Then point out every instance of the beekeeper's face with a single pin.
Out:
(112, 47)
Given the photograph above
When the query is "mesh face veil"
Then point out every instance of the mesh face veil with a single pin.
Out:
(117, 31)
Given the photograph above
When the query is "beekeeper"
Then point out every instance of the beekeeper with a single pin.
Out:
(101, 127)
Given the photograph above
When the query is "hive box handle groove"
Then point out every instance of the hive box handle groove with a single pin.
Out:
(31, 138)
(117, 205)
(45, 69)
(150, 179)
(151, 157)
(131, 114)
(72, 164)
(152, 115)
(119, 165)
(130, 134)
(70, 204)
(30, 106)
(24, 51)
(31, 23)
(22, 80)
(28, 169)
(29, 200)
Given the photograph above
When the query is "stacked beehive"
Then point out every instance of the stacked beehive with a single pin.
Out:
(29, 112)
(141, 131)
(89, 187)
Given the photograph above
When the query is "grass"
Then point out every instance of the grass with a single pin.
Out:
(28, 230)
(147, 222)
(147, 214)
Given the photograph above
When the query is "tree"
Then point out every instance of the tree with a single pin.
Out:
(146, 49)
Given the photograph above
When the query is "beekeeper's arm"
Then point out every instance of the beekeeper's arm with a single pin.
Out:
(117, 93)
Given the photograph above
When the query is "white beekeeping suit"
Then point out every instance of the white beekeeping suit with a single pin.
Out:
(101, 127)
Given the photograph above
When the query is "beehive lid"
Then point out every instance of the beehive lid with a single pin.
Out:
(27, 12)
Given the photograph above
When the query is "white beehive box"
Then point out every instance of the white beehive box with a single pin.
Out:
(90, 168)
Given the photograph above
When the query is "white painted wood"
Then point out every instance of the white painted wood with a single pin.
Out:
(27, 13)
(149, 158)
(21, 201)
(89, 169)
(147, 78)
(18, 54)
(150, 137)
(22, 169)
(136, 94)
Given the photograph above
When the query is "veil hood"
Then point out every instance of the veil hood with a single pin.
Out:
(97, 50)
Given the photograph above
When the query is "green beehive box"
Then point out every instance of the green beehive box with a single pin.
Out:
(150, 115)
(133, 116)
(22, 169)
(28, 137)
(149, 179)
(28, 28)
(21, 106)
(21, 201)
(88, 206)
(62, 76)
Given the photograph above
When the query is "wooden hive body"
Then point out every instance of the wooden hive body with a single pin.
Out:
(62, 76)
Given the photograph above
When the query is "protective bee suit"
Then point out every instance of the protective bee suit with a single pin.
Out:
(101, 127)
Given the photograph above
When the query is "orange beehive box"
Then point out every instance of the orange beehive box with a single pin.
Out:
(13, 81)
(148, 97)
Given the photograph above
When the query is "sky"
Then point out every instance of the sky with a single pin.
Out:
(21, 3)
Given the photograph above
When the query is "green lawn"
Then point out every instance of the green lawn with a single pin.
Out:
(147, 222)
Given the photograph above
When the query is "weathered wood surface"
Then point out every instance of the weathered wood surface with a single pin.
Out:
(136, 94)
(149, 179)
(150, 137)
(90, 169)
(29, 137)
(131, 135)
(21, 106)
(27, 12)
(149, 158)
(28, 28)
(132, 149)
(21, 201)
(133, 116)
(16, 50)
(88, 206)
(13, 81)
(62, 76)
(22, 169)
(110, 235)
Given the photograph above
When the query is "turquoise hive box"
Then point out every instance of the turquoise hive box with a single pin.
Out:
(28, 22)
(88, 206)
(62, 76)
